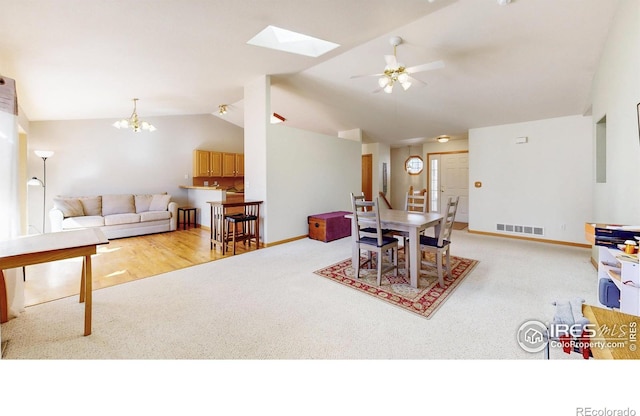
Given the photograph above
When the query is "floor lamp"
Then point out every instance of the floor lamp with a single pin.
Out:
(44, 154)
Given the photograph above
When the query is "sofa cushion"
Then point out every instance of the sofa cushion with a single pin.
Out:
(126, 218)
(154, 215)
(159, 202)
(82, 222)
(117, 204)
(92, 205)
(70, 207)
(142, 202)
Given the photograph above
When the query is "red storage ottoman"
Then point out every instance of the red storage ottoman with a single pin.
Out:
(329, 226)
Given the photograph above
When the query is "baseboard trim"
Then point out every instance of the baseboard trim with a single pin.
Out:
(539, 240)
(288, 240)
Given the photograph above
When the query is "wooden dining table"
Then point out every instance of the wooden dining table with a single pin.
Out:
(411, 222)
(44, 248)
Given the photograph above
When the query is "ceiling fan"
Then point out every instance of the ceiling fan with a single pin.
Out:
(395, 72)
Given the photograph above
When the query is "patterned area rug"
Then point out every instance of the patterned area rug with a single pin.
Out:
(424, 300)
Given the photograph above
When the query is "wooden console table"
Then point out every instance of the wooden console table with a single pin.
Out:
(218, 211)
(43, 248)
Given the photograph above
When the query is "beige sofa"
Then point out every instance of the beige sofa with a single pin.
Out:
(122, 215)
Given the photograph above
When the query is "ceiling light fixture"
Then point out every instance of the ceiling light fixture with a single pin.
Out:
(443, 139)
(394, 71)
(134, 121)
(222, 109)
(503, 2)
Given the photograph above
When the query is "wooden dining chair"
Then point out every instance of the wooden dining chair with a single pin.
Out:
(370, 230)
(415, 201)
(366, 215)
(440, 246)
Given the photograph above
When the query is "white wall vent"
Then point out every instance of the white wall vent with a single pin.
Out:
(520, 229)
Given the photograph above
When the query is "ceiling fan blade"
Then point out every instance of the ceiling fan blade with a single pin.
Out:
(391, 61)
(426, 67)
(412, 79)
(368, 75)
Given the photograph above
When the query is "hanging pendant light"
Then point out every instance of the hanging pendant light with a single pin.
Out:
(134, 121)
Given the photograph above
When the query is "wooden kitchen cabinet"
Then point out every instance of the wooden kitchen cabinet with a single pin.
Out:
(232, 164)
(215, 162)
(207, 163)
(239, 164)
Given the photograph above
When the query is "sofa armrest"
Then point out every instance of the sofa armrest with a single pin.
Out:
(173, 209)
(56, 217)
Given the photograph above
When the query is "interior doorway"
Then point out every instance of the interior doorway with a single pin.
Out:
(367, 176)
(448, 176)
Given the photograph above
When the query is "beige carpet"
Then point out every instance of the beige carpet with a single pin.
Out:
(269, 304)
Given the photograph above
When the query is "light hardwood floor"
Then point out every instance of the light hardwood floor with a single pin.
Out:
(123, 260)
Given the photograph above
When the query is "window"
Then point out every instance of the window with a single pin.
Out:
(434, 186)
(414, 165)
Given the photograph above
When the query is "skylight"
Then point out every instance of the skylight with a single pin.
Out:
(285, 40)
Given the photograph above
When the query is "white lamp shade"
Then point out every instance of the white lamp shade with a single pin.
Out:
(388, 89)
(44, 153)
(35, 182)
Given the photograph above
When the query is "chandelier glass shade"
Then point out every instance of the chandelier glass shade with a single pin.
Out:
(134, 121)
(392, 75)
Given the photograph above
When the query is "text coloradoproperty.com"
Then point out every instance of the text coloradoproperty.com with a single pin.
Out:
(591, 344)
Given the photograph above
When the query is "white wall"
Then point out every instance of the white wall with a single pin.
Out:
(296, 173)
(308, 173)
(616, 93)
(92, 157)
(546, 182)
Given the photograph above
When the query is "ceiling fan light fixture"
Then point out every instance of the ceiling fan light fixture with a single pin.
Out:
(404, 77)
(405, 85)
(383, 81)
(389, 88)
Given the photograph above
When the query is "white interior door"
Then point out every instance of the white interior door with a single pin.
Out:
(454, 181)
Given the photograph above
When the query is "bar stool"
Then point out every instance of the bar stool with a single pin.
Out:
(249, 230)
(186, 213)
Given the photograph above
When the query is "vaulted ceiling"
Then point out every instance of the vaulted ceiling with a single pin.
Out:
(527, 60)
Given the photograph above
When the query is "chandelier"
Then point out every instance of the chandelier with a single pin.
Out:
(134, 121)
